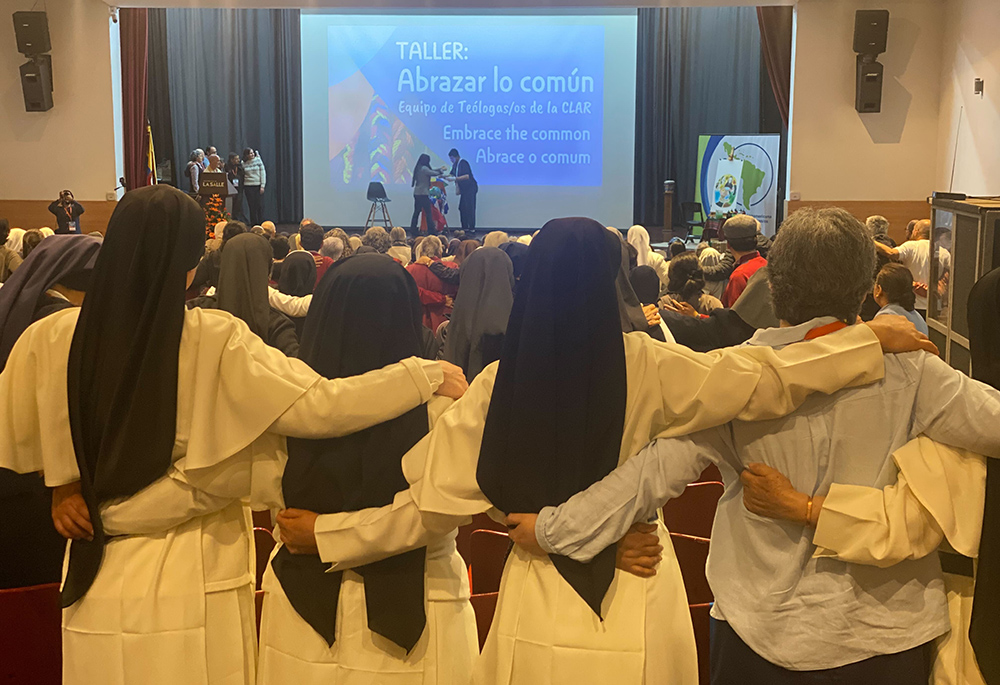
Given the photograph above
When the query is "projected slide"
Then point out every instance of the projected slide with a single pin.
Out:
(541, 106)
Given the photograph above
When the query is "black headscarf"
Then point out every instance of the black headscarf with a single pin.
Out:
(55, 259)
(984, 343)
(646, 284)
(629, 309)
(517, 253)
(365, 314)
(482, 308)
(555, 421)
(122, 376)
(298, 274)
(242, 289)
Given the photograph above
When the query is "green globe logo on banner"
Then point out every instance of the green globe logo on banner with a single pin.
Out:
(739, 174)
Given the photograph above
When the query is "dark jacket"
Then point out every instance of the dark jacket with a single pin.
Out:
(64, 217)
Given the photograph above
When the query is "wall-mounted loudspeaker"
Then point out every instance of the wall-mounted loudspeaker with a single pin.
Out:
(871, 29)
(869, 86)
(871, 33)
(36, 83)
(32, 32)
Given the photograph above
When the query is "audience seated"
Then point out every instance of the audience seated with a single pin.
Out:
(915, 255)
(342, 234)
(741, 233)
(495, 239)
(878, 228)
(333, 247)
(279, 250)
(32, 239)
(9, 259)
(686, 284)
(14, 241)
(242, 291)
(295, 287)
(436, 296)
(207, 274)
(400, 249)
(709, 258)
(475, 333)
(894, 294)
(378, 238)
(311, 240)
(638, 237)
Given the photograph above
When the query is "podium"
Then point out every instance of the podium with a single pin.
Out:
(212, 193)
(213, 183)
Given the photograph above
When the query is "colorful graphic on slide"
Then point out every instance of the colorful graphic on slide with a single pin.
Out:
(524, 114)
(740, 173)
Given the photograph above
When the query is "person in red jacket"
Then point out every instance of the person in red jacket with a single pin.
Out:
(741, 235)
(436, 296)
(311, 239)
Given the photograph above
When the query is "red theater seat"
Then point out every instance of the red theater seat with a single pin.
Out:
(694, 511)
(485, 606)
(31, 646)
(263, 543)
(489, 552)
(700, 619)
(692, 553)
(711, 475)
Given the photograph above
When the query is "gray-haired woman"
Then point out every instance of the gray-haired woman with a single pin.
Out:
(194, 168)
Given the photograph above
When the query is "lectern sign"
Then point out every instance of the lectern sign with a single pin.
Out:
(212, 183)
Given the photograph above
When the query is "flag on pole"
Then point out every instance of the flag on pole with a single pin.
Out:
(150, 158)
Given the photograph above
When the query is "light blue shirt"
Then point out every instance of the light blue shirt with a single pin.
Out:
(796, 611)
(896, 310)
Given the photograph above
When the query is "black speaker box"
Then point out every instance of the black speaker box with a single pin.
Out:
(868, 98)
(871, 29)
(32, 32)
(36, 83)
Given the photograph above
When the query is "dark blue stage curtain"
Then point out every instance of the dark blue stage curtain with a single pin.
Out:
(698, 72)
(234, 82)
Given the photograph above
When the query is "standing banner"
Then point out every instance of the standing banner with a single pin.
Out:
(739, 174)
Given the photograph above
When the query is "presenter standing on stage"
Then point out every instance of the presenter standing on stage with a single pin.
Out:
(422, 175)
(465, 181)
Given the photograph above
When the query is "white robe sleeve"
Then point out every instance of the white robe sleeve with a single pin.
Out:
(289, 305)
(34, 406)
(939, 495)
(675, 392)
(166, 504)
(419, 515)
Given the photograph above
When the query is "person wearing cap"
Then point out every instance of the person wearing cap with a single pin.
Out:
(741, 235)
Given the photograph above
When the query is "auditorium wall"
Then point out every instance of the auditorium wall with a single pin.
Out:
(74, 145)
(971, 50)
(838, 156)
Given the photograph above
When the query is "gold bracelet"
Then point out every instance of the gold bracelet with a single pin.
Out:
(809, 511)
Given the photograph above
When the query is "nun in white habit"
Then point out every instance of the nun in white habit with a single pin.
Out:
(158, 426)
(570, 398)
(405, 620)
(638, 237)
